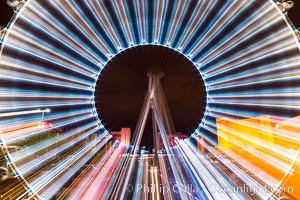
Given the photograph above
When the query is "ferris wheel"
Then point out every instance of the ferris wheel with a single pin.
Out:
(246, 52)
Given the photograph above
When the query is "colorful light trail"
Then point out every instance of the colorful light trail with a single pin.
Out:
(247, 52)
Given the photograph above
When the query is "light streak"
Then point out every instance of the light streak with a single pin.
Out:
(253, 24)
(24, 112)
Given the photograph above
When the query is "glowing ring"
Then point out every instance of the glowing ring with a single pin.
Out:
(199, 36)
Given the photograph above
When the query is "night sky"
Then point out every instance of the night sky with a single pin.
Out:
(122, 86)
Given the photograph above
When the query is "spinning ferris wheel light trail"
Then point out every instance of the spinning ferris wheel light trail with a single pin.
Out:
(246, 146)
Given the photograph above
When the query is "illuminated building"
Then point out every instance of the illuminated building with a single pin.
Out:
(266, 144)
(122, 136)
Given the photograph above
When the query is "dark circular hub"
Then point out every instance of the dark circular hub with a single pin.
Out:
(122, 87)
